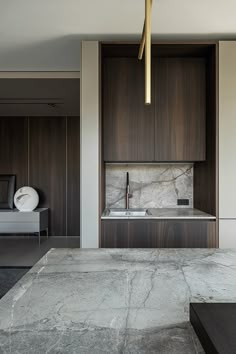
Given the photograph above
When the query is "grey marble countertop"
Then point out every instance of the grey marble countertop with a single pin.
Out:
(165, 213)
(114, 301)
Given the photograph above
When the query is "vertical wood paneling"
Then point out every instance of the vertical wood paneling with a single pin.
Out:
(47, 167)
(13, 148)
(73, 176)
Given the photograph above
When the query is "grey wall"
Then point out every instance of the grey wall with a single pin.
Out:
(46, 35)
(89, 130)
(227, 144)
(55, 54)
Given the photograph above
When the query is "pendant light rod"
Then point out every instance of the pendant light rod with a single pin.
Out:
(148, 52)
(146, 42)
(142, 44)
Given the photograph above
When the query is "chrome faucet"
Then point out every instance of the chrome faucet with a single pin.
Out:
(128, 194)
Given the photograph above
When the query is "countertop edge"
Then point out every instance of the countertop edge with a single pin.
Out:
(158, 218)
(163, 214)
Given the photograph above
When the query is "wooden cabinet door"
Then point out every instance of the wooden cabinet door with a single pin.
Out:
(180, 109)
(128, 124)
(115, 234)
(172, 234)
(140, 234)
(184, 234)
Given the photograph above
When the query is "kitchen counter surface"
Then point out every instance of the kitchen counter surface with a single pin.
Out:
(114, 301)
(166, 213)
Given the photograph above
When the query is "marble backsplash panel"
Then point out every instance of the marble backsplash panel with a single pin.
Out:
(152, 186)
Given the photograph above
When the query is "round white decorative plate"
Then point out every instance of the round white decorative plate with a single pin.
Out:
(26, 199)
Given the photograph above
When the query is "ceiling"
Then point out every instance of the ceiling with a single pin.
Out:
(46, 34)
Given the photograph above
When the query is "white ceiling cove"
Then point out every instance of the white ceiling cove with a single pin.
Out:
(46, 34)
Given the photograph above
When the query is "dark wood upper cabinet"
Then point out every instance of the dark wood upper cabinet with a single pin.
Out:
(173, 127)
(180, 109)
(128, 124)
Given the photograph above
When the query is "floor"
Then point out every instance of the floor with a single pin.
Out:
(9, 277)
(114, 301)
(19, 254)
(25, 251)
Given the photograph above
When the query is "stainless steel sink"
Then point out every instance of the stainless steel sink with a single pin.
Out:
(129, 212)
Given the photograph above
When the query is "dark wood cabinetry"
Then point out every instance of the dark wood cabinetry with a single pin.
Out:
(158, 234)
(180, 109)
(181, 126)
(173, 127)
(114, 234)
(128, 123)
(140, 234)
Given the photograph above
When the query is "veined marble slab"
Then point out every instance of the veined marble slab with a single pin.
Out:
(152, 186)
(114, 301)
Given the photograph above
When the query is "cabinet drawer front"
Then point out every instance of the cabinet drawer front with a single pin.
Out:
(158, 234)
(14, 227)
(19, 217)
(184, 234)
(115, 234)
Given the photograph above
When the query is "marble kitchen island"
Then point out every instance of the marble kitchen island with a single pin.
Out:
(114, 301)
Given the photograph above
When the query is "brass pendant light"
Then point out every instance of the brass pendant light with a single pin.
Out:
(146, 43)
